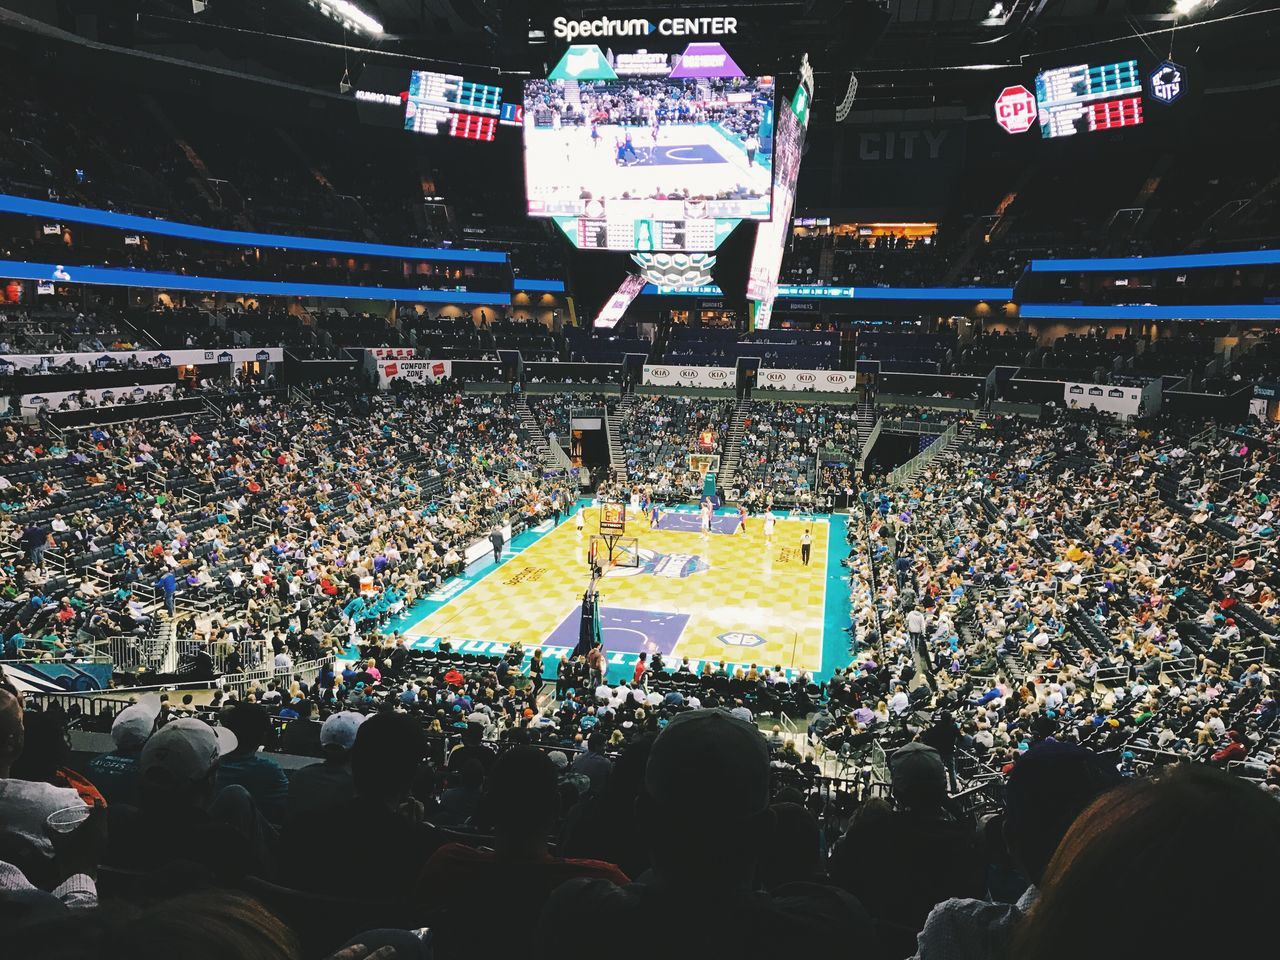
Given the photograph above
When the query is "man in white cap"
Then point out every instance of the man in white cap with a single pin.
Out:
(180, 816)
(705, 809)
(115, 774)
(328, 783)
(25, 805)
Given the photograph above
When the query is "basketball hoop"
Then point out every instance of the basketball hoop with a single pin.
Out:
(608, 550)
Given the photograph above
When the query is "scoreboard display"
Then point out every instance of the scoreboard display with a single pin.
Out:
(445, 104)
(1085, 98)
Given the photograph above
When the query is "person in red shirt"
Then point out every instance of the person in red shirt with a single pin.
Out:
(1234, 750)
(641, 666)
(460, 883)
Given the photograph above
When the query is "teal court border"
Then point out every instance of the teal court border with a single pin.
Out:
(835, 645)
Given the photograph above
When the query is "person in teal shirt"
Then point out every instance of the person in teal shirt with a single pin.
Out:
(244, 766)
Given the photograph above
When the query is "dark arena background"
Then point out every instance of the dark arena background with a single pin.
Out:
(488, 478)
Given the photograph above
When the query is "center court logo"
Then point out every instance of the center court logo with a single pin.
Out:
(670, 566)
(566, 29)
(739, 639)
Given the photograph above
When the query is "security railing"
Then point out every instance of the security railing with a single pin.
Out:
(928, 455)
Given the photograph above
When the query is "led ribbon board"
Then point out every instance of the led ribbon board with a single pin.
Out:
(616, 307)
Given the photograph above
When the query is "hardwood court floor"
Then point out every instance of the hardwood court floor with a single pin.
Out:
(725, 597)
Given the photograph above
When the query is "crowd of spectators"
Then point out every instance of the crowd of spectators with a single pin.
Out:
(659, 433)
(287, 515)
(780, 444)
(1058, 610)
(1094, 582)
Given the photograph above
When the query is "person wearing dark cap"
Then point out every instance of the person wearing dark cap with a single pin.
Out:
(900, 861)
(1048, 787)
(386, 760)
(258, 774)
(460, 883)
(705, 801)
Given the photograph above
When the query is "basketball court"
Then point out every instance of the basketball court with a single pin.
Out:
(700, 158)
(722, 595)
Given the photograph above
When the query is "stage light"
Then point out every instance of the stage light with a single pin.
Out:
(349, 14)
(1184, 8)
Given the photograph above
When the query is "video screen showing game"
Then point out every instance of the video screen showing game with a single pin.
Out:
(654, 149)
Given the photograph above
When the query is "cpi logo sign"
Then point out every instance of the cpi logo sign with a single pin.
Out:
(1016, 109)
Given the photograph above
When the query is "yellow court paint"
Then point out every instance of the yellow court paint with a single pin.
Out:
(747, 588)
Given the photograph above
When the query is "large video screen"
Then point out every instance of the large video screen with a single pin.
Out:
(649, 163)
(771, 237)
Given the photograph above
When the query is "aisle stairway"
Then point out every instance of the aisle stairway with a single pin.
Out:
(732, 448)
(613, 430)
(534, 429)
(866, 421)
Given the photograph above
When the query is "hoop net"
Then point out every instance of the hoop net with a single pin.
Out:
(621, 552)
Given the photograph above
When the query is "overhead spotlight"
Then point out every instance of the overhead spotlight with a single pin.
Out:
(1184, 8)
(996, 12)
(348, 14)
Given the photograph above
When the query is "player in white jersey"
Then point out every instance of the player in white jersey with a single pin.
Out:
(769, 522)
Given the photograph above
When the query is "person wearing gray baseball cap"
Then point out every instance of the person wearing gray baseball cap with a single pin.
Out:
(115, 774)
(705, 810)
(181, 816)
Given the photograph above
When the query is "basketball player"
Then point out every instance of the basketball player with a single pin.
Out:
(806, 545)
(706, 517)
(655, 515)
(595, 135)
(579, 521)
(769, 522)
(742, 518)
